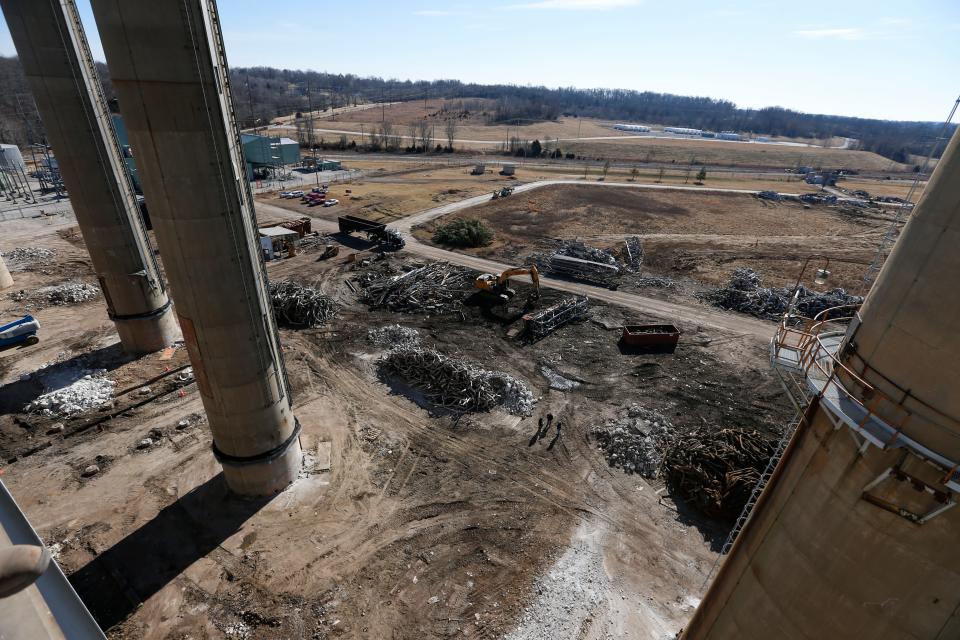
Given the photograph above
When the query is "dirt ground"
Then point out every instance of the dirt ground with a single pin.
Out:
(701, 236)
(402, 191)
(418, 526)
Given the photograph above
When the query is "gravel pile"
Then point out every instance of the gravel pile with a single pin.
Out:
(745, 293)
(89, 392)
(393, 335)
(455, 384)
(30, 255)
(637, 441)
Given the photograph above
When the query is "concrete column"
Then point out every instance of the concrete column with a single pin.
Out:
(6, 280)
(56, 60)
(167, 64)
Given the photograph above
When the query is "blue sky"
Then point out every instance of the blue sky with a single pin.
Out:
(883, 59)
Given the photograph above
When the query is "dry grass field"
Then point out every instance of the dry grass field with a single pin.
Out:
(703, 236)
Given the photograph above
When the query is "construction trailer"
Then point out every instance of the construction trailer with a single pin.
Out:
(275, 242)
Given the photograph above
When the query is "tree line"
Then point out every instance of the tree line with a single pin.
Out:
(262, 93)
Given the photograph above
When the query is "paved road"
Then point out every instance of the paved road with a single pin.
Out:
(690, 314)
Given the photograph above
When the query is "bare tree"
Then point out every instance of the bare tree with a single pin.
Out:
(606, 169)
(412, 134)
(424, 131)
(660, 176)
(450, 128)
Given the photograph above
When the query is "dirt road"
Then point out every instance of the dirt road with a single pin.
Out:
(684, 314)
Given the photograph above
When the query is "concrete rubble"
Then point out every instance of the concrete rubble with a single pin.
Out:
(568, 596)
(30, 256)
(637, 441)
(90, 391)
(745, 293)
(455, 384)
(61, 294)
(301, 307)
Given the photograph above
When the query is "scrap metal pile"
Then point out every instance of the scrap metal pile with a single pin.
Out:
(745, 293)
(455, 384)
(436, 288)
(393, 335)
(300, 307)
(315, 241)
(579, 261)
(715, 470)
(711, 468)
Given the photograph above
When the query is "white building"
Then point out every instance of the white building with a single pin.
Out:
(634, 128)
(682, 131)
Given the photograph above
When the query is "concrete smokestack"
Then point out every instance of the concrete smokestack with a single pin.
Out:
(6, 280)
(56, 60)
(168, 66)
(855, 536)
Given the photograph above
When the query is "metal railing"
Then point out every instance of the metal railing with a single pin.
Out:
(821, 366)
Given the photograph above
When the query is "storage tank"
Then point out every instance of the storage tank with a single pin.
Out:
(11, 159)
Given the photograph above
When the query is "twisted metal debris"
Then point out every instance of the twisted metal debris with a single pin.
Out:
(715, 470)
(436, 287)
(632, 254)
(393, 335)
(301, 307)
(745, 293)
(455, 384)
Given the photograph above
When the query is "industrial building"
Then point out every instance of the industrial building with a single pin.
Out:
(264, 154)
(124, 141)
(682, 131)
(633, 128)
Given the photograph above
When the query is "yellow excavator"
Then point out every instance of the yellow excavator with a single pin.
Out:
(496, 287)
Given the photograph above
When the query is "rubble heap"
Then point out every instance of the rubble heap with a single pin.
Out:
(433, 288)
(715, 470)
(30, 255)
(92, 390)
(637, 441)
(66, 293)
(301, 307)
(393, 335)
(456, 384)
(745, 293)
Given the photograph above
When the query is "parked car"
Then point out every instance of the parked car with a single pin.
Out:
(319, 190)
(296, 194)
(286, 194)
(331, 202)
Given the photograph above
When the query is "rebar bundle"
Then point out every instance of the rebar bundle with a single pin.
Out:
(455, 384)
(745, 294)
(300, 307)
(543, 323)
(715, 470)
(433, 288)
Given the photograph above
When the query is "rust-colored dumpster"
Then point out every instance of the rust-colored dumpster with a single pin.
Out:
(650, 338)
